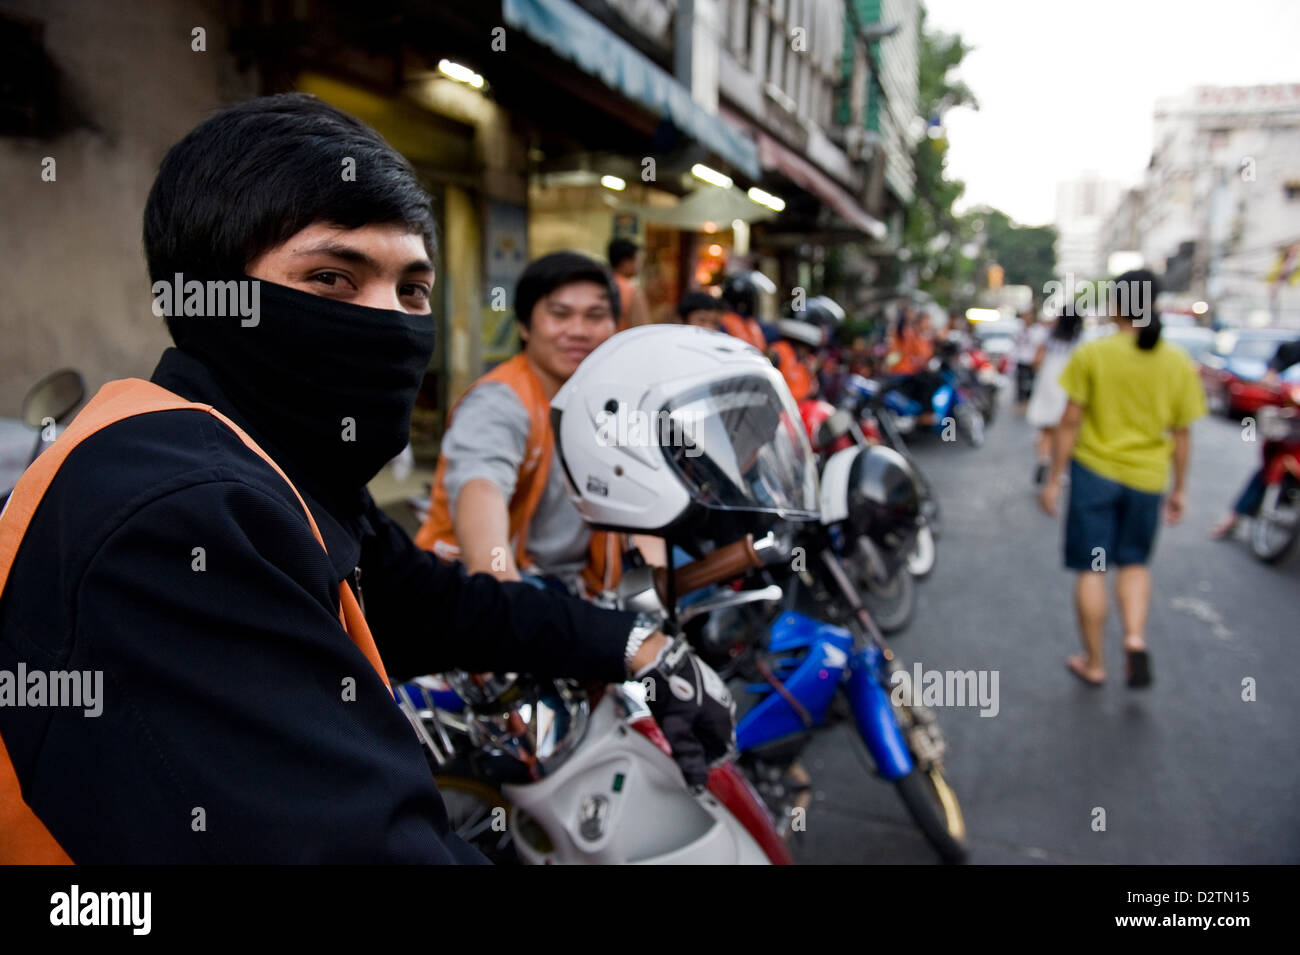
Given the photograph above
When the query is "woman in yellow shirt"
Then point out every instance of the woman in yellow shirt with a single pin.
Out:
(1132, 399)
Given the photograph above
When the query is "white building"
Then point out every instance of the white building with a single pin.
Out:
(1222, 199)
(1082, 208)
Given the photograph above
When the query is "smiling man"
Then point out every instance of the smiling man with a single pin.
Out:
(200, 539)
(499, 502)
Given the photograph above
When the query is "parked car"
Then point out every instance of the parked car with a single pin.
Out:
(998, 341)
(1232, 369)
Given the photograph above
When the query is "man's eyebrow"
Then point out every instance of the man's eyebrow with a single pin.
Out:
(351, 254)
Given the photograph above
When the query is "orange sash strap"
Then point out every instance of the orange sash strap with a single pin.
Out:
(23, 837)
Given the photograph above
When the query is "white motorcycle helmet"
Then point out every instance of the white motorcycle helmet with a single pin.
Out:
(662, 422)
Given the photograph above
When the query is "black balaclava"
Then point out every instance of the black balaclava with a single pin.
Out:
(327, 383)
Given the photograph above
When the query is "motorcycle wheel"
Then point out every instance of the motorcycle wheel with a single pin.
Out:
(1273, 532)
(471, 810)
(972, 425)
(921, 561)
(890, 602)
(933, 807)
(990, 404)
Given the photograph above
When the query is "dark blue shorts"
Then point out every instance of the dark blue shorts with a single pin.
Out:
(1105, 514)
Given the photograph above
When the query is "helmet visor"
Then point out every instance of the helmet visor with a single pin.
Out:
(743, 448)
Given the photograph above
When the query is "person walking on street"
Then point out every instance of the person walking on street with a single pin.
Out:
(1029, 339)
(1131, 401)
(1048, 400)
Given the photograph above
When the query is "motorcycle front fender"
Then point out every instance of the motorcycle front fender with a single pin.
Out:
(874, 714)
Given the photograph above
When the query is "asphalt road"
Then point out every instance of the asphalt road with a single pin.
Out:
(1186, 771)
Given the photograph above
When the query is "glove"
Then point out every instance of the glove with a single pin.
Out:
(693, 708)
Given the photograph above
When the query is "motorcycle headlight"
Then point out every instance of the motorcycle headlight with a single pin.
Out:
(537, 723)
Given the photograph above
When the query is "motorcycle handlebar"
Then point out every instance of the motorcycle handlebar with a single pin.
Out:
(724, 563)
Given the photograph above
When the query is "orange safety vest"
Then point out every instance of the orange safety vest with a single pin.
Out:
(24, 840)
(914, 351)
(746, 329)
(796, 373)
(605, 553)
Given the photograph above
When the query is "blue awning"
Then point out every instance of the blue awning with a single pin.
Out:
(577, 36)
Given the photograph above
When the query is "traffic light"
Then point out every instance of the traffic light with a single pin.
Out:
(995, 276)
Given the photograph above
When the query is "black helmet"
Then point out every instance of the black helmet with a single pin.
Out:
(884, 498)
(824, 311)
(806, 333)
(742, 289)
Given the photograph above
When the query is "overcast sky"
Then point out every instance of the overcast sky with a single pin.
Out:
(1066, 87)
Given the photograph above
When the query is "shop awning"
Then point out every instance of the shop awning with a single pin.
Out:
(706, 204)
(810, 179)
(577, 36)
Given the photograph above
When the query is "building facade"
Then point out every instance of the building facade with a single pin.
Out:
(1222, 200)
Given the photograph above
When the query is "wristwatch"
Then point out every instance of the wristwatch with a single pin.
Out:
(642, 627)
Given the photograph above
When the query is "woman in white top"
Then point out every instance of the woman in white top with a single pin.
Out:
(1048, 400)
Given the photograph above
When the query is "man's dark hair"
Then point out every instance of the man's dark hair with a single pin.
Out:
(543, 276)
(698, 302)
(620, 250)
(1136, 293)
(246, 179)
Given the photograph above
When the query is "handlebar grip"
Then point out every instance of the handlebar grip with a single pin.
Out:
(724, 563)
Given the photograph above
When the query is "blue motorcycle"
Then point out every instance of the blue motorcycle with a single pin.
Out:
(797, 676)
(935, 401)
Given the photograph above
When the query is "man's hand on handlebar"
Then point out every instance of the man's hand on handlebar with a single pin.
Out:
(692, 706)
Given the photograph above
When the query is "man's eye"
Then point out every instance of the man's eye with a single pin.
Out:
(420, 292)
(326, 278)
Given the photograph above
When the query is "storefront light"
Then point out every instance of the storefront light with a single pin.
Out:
(763, 198)
(461, 74)
(711, 176)
(982, 315)
(613, 182)
(1200, 308)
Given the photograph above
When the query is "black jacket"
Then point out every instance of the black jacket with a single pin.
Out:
(225, 734)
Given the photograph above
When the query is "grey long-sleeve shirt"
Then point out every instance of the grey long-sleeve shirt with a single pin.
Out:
(487, 439)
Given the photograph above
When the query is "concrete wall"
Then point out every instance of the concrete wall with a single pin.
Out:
(76, 291)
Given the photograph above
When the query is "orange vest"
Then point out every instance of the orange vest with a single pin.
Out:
(605, 554)
(914, 352)
(796, 373)
(24, 840)
(746, 329)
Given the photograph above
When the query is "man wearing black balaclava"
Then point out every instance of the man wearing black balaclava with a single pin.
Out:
(178, 551)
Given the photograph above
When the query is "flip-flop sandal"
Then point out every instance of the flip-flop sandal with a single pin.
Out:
(1139, 668)
(1083, 678)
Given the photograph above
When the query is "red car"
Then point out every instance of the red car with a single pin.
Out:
(1232, 370)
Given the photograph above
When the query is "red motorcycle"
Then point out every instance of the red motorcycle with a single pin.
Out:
(1275, 528)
